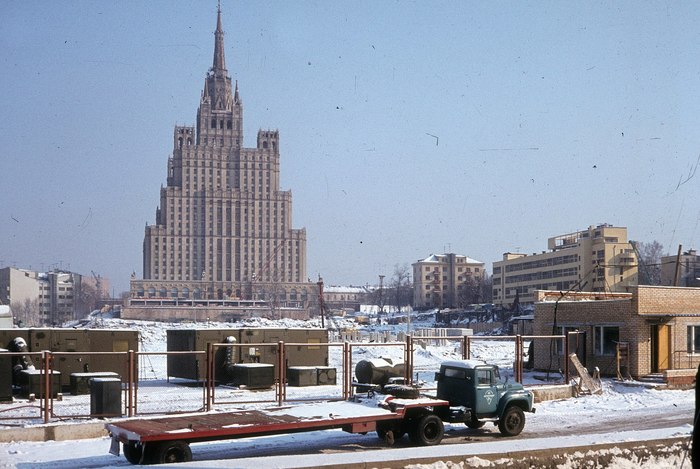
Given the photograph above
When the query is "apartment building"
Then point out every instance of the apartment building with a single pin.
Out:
(598, 259)
(446, 281)
(42, 298)
(681, 272)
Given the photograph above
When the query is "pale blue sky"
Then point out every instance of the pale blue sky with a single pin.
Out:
(551, 116)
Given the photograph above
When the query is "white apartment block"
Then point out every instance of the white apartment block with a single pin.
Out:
(444, 280)
(598, 259)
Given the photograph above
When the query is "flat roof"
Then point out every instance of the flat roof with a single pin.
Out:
(466, 364)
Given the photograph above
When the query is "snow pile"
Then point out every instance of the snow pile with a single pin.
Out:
(674, 457)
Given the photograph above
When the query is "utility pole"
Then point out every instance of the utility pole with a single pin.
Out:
(381, 298)
(678, 266)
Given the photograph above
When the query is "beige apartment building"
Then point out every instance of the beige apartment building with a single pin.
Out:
(598, 259)
(446, 281)
(42, 298)
(681, 272)
(223, 229)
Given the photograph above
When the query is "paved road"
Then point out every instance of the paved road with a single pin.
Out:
(552, 425)
(329, 442)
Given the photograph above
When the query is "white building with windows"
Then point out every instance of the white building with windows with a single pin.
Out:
(446, 281)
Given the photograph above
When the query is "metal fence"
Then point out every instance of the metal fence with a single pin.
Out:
(147, 385)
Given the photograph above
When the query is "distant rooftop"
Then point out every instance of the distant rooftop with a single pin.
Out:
(436, 258)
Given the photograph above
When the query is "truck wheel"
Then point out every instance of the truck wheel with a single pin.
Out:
(512, 421)
(133, 452)
(401, 391)
(427, 430)
(173, 451)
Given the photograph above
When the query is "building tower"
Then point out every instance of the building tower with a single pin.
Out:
(223, 229)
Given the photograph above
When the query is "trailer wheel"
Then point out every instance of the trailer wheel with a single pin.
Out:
(474, 424)
(512, 421)
(173, 451)
(389, 432)
(428, 430)
(133, 452)
(401, 391)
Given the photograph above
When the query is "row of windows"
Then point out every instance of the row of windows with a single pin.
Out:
(229, 125)
(541, 263)
(558, 273)
(526, 289)
(444, 269)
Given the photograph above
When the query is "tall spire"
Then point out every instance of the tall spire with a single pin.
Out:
(217, 86)
(219, 66)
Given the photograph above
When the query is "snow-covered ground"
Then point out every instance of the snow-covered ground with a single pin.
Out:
(622, 412)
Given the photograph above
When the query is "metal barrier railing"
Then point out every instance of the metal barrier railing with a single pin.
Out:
(684, 360)
(142, 395)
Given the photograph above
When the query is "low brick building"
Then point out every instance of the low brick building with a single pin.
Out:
(659, 326)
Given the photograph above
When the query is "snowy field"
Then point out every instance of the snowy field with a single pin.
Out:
(623, 412)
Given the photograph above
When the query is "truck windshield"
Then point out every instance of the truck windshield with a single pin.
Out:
(455, 373)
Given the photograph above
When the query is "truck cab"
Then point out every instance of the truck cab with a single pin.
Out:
(477, 394)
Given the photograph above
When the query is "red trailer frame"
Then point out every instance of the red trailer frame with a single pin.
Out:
(167, 439)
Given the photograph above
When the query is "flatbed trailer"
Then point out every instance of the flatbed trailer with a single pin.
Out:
(167, 439)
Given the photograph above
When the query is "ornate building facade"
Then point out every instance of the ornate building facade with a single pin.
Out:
(223, 231)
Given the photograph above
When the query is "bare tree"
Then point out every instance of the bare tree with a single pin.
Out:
(649, 259)
(377, 297)
(468, 292)
(486, 285)
(27, 313)
(88, 300)
(400, 288)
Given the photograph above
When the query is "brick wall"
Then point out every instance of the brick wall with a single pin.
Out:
(636, 315)
(585, 315)
(658, 300)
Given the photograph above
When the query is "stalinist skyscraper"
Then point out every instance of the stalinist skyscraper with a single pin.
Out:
(223, 230)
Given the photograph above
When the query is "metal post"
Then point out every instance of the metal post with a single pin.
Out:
(281, 372)
(45, 383)
(209, 378)
(566, 357)
(131, 386)
(408, 372)
(518, 365)
(348, 371)
(522, 358)
(468, 347)
(344, 371)
(695, 450)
